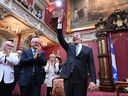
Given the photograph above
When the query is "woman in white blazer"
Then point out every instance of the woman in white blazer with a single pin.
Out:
(7, 62)
(51, 70)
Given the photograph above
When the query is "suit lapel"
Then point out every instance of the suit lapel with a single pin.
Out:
(30, 52)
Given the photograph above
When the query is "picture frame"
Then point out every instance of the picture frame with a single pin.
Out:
(84, 14)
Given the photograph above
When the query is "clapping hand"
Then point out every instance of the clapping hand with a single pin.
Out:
(37, 55)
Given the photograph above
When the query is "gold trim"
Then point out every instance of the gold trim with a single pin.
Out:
(83, 28)
(68, 18)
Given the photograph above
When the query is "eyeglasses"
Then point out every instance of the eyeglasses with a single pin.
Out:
(9, 45)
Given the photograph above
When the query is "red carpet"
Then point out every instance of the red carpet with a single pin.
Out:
(95, 93)
(100, 93)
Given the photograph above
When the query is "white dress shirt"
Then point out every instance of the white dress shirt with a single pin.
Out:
(78, 49)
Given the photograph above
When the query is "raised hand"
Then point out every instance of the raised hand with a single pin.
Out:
(60, 19)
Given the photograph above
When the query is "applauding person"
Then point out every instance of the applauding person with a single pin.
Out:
(32, 74)
(7, 62)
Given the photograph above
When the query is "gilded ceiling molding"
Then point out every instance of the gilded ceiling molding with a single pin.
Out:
(17, 10)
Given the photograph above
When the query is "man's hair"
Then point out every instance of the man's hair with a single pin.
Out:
(33, 37)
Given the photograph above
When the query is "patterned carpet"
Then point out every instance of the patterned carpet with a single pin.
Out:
(100, 93)
(58, 90)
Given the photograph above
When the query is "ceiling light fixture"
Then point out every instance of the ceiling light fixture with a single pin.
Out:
(58, 3)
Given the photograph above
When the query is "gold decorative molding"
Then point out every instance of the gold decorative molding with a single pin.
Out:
(103, 46)
(68, 18)
(20, 12)
(100, 51)
(105, 67)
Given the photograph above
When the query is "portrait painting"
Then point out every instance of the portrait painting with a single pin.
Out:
(85, 13)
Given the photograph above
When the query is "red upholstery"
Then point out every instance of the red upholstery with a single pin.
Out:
(43, 90)
(16, 91)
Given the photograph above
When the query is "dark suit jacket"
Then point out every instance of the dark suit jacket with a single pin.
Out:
(28, 62)
(83, 62)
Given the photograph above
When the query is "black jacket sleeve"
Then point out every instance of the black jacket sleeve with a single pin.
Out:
(61, 39)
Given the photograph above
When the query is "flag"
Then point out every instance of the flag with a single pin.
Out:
(114, 68)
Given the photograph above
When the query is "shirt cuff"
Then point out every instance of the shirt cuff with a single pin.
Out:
(59, 26)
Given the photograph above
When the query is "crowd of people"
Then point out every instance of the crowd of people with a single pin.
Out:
(30, 69)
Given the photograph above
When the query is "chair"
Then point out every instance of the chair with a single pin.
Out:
(44, 90)
(58, 87)
(16, 91)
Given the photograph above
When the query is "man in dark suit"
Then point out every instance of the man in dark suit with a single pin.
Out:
(78, 65)
(32, 74)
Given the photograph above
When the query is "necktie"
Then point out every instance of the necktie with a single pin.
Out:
(34, 52)
(33, 69)
(77, 46)
(5, 60)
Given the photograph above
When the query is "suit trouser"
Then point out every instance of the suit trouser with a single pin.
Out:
(6, 89)
(32, 89)
(75, 86)
(49, 91)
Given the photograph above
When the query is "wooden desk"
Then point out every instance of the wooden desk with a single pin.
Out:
(120, 84)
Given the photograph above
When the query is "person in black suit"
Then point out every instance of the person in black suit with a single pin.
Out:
(32, 74)
(78, 65)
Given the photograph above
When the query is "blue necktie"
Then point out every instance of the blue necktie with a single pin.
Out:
(34, 52)
(77, 46)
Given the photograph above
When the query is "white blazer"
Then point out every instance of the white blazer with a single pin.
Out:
(51, 70)
(6, 69)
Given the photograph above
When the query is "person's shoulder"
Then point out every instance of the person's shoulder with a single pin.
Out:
(42, 51)
(86, 47)
(70, 44)
(26, 49)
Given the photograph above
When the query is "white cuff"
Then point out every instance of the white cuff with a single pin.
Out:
(59, 26)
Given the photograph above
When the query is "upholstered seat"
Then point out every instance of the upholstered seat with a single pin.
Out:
(58, 87)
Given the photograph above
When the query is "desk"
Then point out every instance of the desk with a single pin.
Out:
(120, 84)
